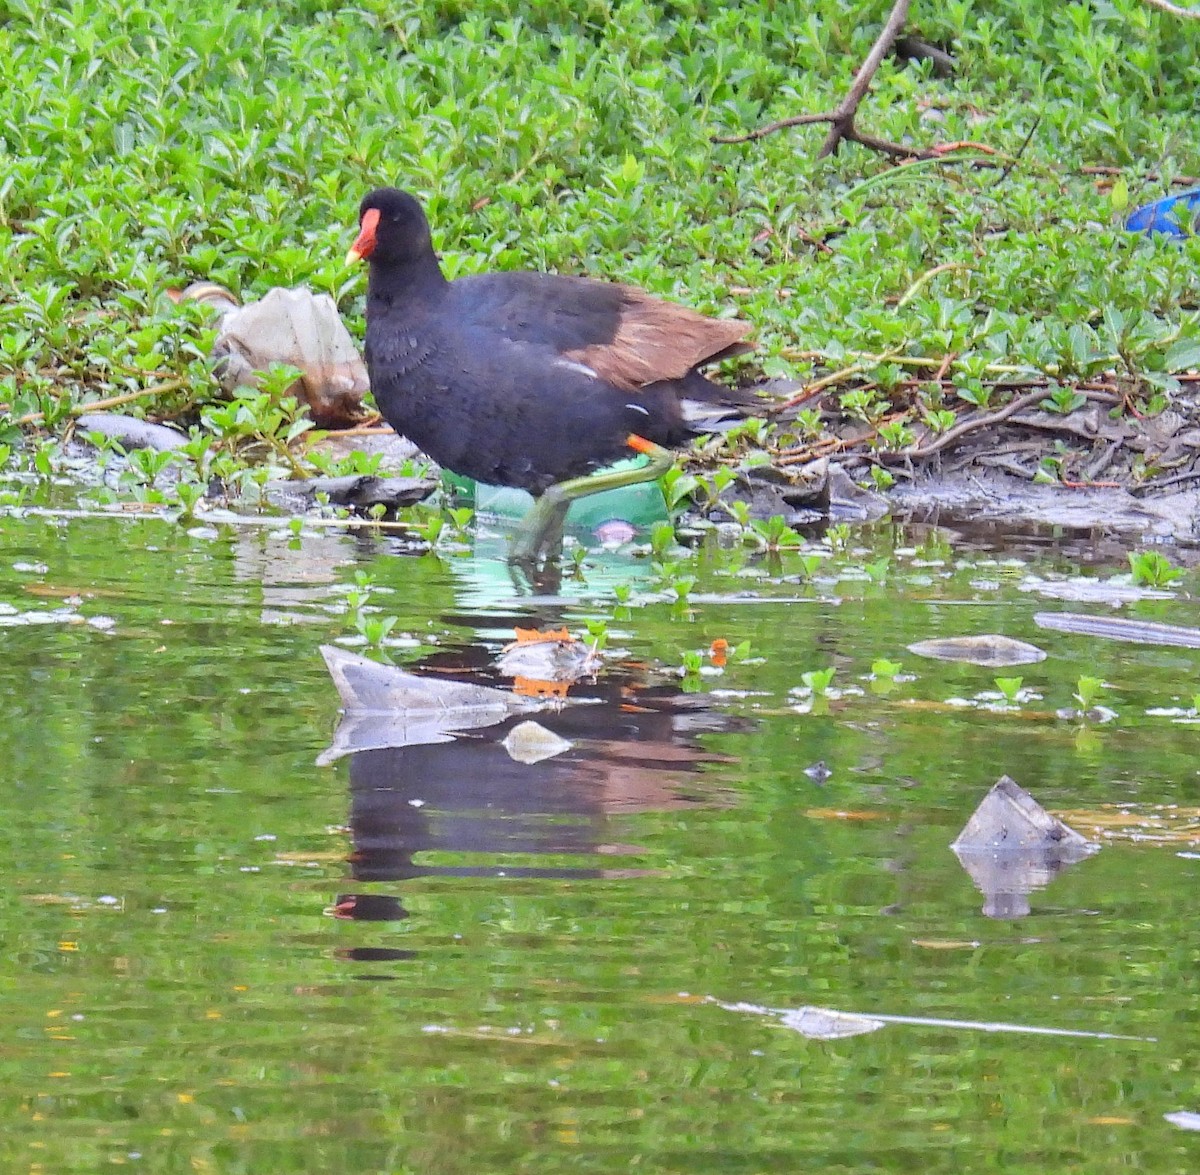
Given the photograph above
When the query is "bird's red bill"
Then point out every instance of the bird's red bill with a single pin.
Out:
(364, 243)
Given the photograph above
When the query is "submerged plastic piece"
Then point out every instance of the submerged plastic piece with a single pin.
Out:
(989, 649)
(639, 507)
(484, 578)
(1138, 632)
(531, 742)
(547, 656)
(1011, 846)
(830, 1024)
(1173, 216)
(389, 707)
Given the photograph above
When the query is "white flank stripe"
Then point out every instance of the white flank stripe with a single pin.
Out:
(571, 365)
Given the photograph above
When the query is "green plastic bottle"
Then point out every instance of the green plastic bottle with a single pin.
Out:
(641, 505)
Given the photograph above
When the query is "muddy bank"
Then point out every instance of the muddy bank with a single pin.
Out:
(996, 476)
(990, 496)
(979, 496)
(1018, 465)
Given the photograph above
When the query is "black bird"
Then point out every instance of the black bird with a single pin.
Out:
(532, 380)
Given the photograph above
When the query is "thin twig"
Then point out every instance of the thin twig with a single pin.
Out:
(1174, 9)
(926, 277)
(939, 149)
(803, 454)
(771, 127)
(171, 385)
(1163, 483)
(975, 423)
(1020, 151)
(359, 430)
(826, 381)
(968, 426)
(1178, 181)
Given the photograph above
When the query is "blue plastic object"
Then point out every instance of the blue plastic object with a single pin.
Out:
(1174, 216)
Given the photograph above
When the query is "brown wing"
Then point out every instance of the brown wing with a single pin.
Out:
(657, 340)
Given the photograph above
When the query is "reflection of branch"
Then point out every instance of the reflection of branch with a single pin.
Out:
(841, 120)
(1174, 9)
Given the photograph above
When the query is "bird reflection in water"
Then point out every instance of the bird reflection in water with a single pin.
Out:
(633, 748)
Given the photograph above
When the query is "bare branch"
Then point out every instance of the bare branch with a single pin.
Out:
(911, 48)
(772, 127)
(841, 120)
(843, 116)
(1174, 9)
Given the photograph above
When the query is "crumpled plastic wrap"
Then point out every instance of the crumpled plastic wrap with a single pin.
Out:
(293, 326)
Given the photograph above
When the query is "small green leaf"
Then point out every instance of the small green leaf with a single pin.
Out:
(1182, 355)
(1118, 195)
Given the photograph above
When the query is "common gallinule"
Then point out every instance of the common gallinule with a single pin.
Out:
(531, 380)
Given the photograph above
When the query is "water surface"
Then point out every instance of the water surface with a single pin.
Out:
(220, 956)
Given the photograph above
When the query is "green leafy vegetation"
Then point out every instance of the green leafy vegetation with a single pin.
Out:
(1089, 690)
(149, 145)
(1153, 568)
(818, 680)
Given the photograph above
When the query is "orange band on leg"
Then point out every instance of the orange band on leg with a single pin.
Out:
(640, 444)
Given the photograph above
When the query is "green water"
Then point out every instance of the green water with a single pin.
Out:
(220, 957)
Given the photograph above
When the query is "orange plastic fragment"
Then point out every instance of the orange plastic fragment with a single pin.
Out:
(537, 687)
(536, 636)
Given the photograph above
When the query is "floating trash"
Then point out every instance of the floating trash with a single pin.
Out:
(390, 707)
(989, 649)
(1172, 216)
(1138, 632)
(830, 1024)
(553, 657)
(1012, 846)
(531, 742)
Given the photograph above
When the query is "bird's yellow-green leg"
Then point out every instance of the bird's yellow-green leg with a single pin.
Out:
(542, 526)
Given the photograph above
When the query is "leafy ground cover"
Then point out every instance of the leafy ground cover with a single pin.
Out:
(149, 145)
